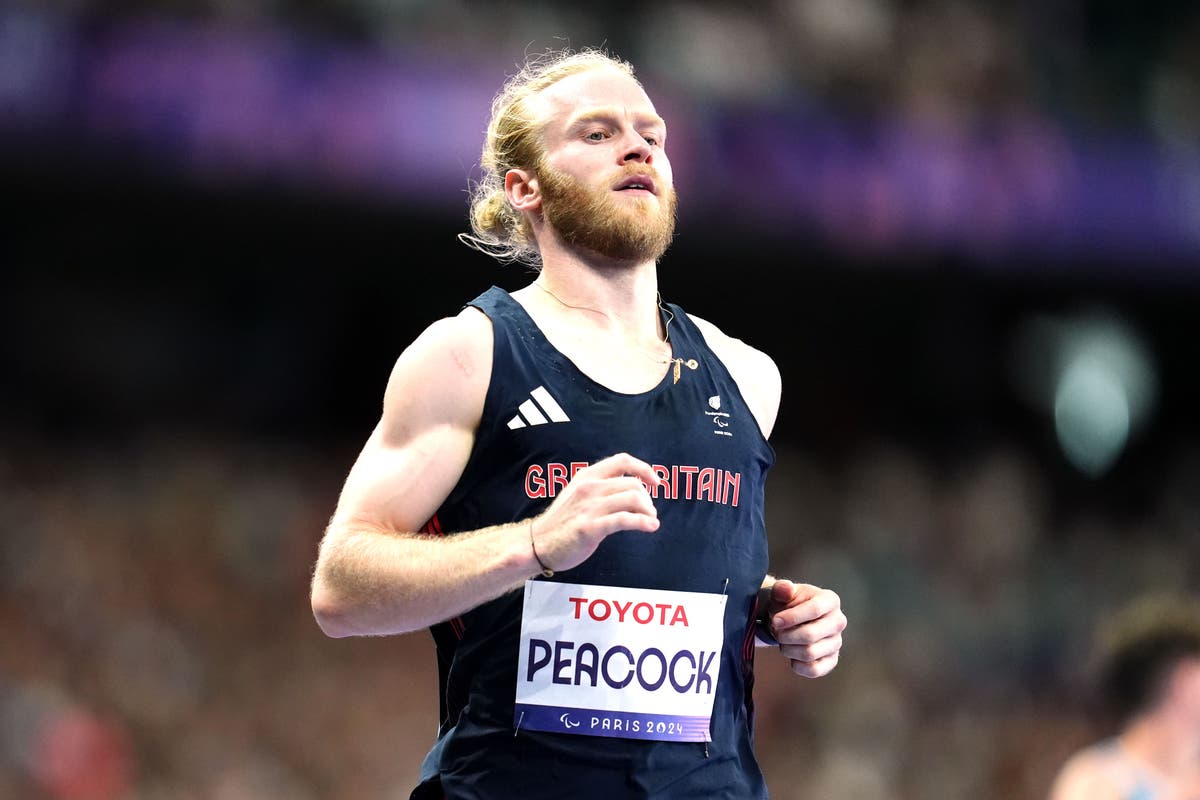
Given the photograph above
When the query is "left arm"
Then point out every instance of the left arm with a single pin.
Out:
(805, 620)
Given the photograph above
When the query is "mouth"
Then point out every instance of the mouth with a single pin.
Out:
(636, 184)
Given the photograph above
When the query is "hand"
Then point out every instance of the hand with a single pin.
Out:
(606, 497)
(808, 623)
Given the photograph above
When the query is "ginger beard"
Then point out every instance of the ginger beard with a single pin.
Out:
(622, 229)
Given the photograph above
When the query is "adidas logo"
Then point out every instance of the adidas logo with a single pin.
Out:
(536, 410)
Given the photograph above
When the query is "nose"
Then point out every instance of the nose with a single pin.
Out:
(637, 150)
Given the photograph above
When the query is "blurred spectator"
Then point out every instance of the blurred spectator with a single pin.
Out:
(1150, 680)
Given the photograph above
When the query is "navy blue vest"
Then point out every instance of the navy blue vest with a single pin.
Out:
(544, 418)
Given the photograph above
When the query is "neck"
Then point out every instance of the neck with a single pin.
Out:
(1162, 745)
(616, 297)
(620, 303)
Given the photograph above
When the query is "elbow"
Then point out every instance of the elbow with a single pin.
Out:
(349, 600)
(332, 616)
(331, 623)
(331, 607)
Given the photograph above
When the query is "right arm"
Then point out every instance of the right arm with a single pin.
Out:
(375, 575)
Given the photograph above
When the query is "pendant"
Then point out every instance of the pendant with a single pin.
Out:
(691, 363)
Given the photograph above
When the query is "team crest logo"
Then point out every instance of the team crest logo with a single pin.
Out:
(720, 419)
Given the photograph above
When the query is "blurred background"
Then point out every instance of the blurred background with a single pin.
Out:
(968, 232)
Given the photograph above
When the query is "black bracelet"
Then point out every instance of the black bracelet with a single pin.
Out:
(546, 571)
(762, 631)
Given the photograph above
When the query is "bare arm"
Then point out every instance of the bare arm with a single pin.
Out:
(375, 575)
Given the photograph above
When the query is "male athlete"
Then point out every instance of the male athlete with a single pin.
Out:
(1150, 677)
(566, 485)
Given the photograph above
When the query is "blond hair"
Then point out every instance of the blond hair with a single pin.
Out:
(514, 141)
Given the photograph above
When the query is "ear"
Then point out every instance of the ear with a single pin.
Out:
(521, 188)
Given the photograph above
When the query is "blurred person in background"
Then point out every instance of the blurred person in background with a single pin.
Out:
(1150, 680)
(567, 484)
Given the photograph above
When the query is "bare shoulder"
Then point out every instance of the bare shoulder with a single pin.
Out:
(431, 410)
(1087, 775)
(442, 376)
(755, 372)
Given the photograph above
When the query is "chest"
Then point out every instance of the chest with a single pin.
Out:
(614, 363)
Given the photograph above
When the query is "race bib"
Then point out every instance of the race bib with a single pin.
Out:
(613, 661)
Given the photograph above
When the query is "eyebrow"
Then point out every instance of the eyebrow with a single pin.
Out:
(609, 114)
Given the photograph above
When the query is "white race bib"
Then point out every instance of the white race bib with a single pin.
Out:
(614, 661)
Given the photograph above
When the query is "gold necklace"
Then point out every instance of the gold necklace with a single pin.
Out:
(677, 363)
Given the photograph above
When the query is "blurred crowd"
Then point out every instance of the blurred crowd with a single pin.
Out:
(1001, 127)
(158, 643)
(1105, 64)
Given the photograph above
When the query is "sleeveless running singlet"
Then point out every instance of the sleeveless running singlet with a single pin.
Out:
(542, 420)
